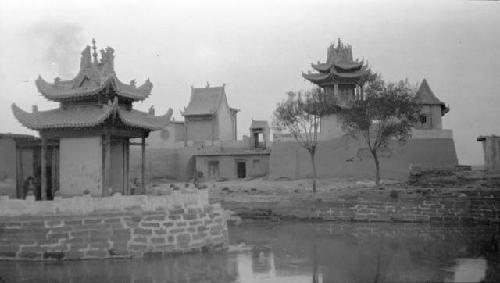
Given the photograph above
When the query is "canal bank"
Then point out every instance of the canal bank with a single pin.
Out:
(85, 227)
(463, 207)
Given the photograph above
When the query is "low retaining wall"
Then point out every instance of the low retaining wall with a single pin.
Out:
(112, 227)
(445, 210)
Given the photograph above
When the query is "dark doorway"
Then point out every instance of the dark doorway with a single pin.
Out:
(242, 172)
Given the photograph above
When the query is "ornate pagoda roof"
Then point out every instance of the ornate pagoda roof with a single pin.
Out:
(93, 77)
(206, 101)
(87, 116)
(425, 96)
(339, 66)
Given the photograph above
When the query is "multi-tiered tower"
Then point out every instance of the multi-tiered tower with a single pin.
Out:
(343, 78)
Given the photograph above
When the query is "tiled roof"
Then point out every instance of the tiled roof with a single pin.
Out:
(259, 124)
(425, 95)
(75, 90)
(135, 118)
(345, 66)
(88, 116)
(205, 101)
(332, 75)
(74, 117)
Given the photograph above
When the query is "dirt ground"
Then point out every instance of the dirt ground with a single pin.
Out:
(261, 190)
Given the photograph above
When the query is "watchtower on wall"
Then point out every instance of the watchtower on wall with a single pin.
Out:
(432, 108)
(342, 78)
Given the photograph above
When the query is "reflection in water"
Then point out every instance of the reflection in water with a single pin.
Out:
(302, 252)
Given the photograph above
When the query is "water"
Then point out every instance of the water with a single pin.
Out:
(302, 252)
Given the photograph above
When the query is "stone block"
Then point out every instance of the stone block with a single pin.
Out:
(181, 224)
(58, 236)
(183, 238)
(34, 224)
(100, 245)
(85, 234)
(195, 222)
(72, 254)
(140, 231)
(140, 240)
(158, 240)
(177, 230)
(92, 221)
(53, 223)
(150, 224)
(30, 255)
(138, 247)
(9, 248)
(155, 218)
(97, 253)
(202, 229)
(8, 255)
(78, 222)
(189, 216)
(168, 224)
(53, 255)
(161, 231)
(112, 220)
(175, 217)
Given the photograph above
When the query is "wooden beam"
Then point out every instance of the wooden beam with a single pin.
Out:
(19, 173)
(143, 165)
(43, 175)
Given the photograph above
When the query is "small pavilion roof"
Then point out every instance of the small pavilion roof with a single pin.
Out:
(93, 77)
(426, 96)
(73, 90)
(206, 101)
(89, 116)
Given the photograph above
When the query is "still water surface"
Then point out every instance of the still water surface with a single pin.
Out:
(302, 252)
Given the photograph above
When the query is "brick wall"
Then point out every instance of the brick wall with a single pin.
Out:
(111, 227)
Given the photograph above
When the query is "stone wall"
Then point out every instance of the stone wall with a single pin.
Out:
(471, 207)
(112, 227)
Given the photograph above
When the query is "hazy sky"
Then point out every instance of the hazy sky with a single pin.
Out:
(259, 49)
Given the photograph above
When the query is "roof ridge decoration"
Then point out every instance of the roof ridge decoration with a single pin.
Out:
(92, 78)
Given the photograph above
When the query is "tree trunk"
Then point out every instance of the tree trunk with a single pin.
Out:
(377, 167)
(312, 153)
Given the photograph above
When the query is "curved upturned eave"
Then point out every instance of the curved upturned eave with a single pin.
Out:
(36, 121)
(348, 67)
(138, 119)
(62, 93)
(49, 91)
(135, 93)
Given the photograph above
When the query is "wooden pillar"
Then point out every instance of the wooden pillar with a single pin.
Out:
(107, 164)
(43, 175)
(19, 173)
(143, 165)
(53, 171)
(127, 167)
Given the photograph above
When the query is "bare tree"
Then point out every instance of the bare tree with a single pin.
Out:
(388, 112)
(300, 116)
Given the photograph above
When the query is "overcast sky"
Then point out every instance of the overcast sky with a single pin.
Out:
(259, 49)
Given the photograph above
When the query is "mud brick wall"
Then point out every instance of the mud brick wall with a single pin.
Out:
(133, 233)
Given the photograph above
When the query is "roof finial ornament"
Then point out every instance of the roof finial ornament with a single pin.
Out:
(94, 54)
(223, 85)
(208, 85)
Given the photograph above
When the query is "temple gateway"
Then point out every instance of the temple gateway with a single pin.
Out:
(91, 128)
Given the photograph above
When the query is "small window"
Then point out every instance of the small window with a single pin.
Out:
(423, 119)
